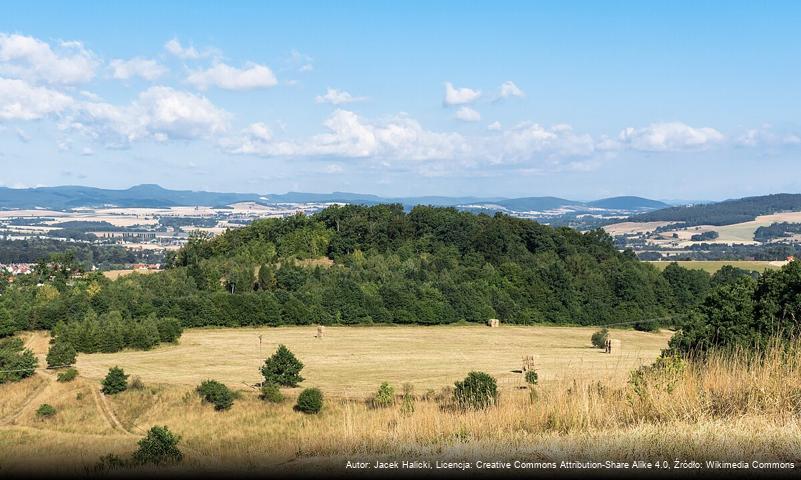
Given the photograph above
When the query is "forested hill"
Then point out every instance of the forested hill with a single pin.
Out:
(356, 264)
(725, 213)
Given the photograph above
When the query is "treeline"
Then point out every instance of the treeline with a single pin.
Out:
(776, 230)
(109, 332)
(724, 213)
(745, 312)
(356, 264)
(104, 256)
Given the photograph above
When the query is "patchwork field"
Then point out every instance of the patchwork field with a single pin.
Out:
(352, 361)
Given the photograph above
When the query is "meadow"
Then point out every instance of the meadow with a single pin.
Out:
(712, 266)
(727, 407)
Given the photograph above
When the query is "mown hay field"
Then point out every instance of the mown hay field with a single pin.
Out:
(713, 266)
(352, 361)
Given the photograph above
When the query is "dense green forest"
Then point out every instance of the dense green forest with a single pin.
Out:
(85, 254)
(776, 230)
(724, 213)
(429, 266)
(379, 264)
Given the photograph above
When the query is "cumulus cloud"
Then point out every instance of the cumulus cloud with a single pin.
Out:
(34, 60)
(494, 126)
(159, 113)
(175, 48)
(529, 140)
(509, 89)
(136, 67)
(349, 135)
(232, 78)
(459, 96)
(337, 97)
(467, 114)
(21, 101)
(671, 136)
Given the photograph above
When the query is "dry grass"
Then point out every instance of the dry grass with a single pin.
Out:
(351, 361)
(732, 406)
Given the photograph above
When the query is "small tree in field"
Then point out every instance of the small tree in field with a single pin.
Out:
(283, 368)
(159, 446)
(531, 377)
(271, 393)
(478, 390)
(115, 382)
(384, 397)
(61, 354)
(599, 338)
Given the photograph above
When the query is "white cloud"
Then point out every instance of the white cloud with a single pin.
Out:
(299, 61)
(670, 136)
(337, 97)
(494, 126)
(766, 136)
(467, 114)
(459, 96)
(159, 113)
(232, 78)
(31, 59)
(21, 101)
(175, 48)
(87, 152)
(509, 89)
(136, 67)
(351, 136)
(529, 140)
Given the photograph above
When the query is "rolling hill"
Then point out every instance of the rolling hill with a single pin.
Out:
(727, 212)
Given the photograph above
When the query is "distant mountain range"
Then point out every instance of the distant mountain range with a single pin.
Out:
(153, 196)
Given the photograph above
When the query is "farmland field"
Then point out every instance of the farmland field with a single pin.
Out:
(713, 266)
(352, 361)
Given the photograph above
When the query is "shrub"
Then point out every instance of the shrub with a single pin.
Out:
(478, 390)
(115, 382)
(159, 446)
(384, 397)
(532, 377)
(407, 407)
(599, 338)
(283, 368)
(217, 394)
(136, 383)
(16, 361)
(45, 410)
(61, 354)
(271, 393)
(67, 375)
(169, 329)
(646, 326)
(310, 400)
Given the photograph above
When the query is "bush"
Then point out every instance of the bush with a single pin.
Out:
(599, 338)
(67, 375)
(217, 394)
(115, 382)
(478, 390)
(384, 397)
(16, 361)
(159, 446)
(310, 400)
(283, 368)
(407, 407)
(136, 383)
(271, 393)
(651, 326)
(532, 377)
(61, 354)
(45, 410)
(169, 329)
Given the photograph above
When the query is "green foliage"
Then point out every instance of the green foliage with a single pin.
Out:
(310, 400)
(407, 404)
(599, 338)
(160, 446)
(61, 354)
(217, 394)
(116, 381)
(110, 332)
(67, 375)
(478, 391)
(282, 368)
(170, 329)
(663, 374)
(531, 377)
(271, 393)
(45, 410)
(384, 397)
(16, 361)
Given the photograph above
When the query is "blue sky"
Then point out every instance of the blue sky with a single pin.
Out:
(670, 100)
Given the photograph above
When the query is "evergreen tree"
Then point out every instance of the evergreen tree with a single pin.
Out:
(282, 368)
